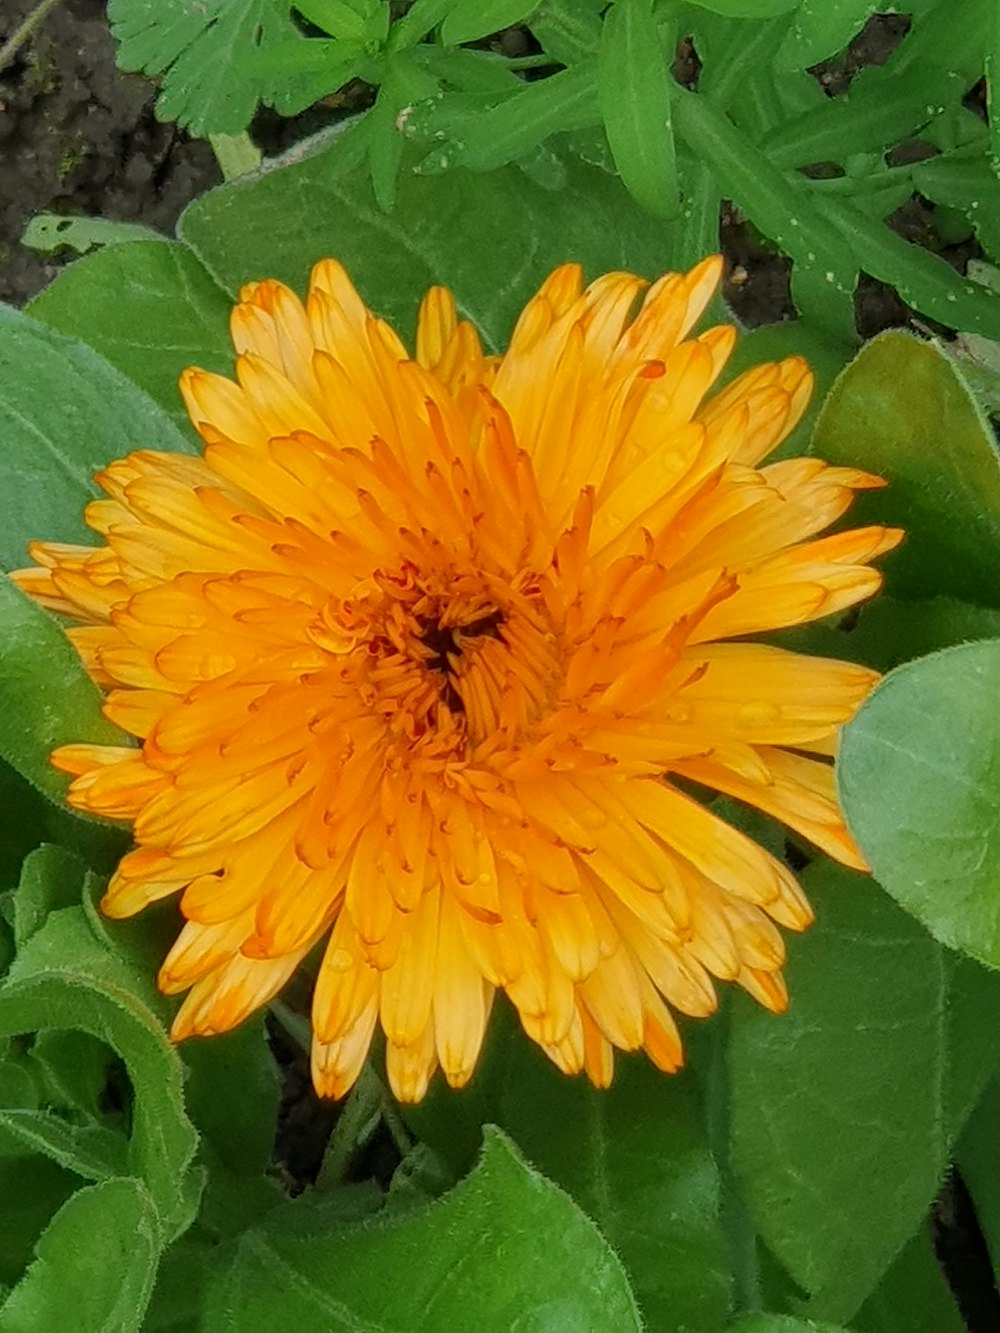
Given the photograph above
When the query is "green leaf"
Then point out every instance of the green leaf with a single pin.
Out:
(568, 30)
(633, 84)
(55, 702)
(649, 1201)
(51, 878)
(235, 1071)
(634, 1157)
(95, 1265)
(783, 1323)
(902, 411)
(405, 82)
(504, 1249)
(914, 1295)
(780, 207)
(977, 1158)
(969, 184)
(235, 1067)
(821, 28)
(331, 62)
(513, 233)
(470, 71)
(88, 1150)
(747, 9)
(77, 1072)
(924, 280)
(501, 134)
(50, 232)
(992, 71)
(919, 777)
(876, 1005)
(468, 20)
(151, 310)
(64, 978)
(199, 49)
(64, 413)
(32, 1189)
(417, 22)
(889, 631)
(183, 1275)
(336, 17)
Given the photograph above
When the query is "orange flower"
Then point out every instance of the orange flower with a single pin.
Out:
(413, 651)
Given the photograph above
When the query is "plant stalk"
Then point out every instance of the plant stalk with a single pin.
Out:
(22, 34)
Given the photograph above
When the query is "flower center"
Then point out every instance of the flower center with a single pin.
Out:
(442, 642)
(451, 660)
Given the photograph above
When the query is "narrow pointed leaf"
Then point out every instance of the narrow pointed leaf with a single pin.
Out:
(633, 81)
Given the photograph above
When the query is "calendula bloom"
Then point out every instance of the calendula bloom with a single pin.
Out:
(415, 650)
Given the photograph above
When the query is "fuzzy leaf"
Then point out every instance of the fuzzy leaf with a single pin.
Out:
(95, 1265)
(471, 1260)
(902, 411)
(64, 978)
(876, 1005)
(52, 700)
(919, 776)
(513, 233)
(151, 310)
(64, 414)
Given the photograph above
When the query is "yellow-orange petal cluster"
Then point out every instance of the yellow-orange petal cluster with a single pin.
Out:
(415, 651)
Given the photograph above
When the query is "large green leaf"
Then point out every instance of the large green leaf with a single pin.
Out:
(889, 630)
(32, 1190)
(513, 232)
(782, 1323)
(50, 698)
(95, 1265)
(978, 1159)
(919, 777)
(505, 1249)
(914, 1294)
(636, 1159)
(64, 413)
(868, 1078)
(747, 9)
(150, 309)
(231, 1094)
(901, 410)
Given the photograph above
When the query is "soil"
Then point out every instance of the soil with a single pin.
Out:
(78, 137)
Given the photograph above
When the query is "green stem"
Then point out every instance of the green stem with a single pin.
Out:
(539, 61)
(358, 1120)
(236, 154)
(20, 35)
(296, 1025)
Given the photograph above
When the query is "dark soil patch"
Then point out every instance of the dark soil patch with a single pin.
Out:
(78, 137)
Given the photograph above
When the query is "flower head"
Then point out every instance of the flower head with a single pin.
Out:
(415, 650)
